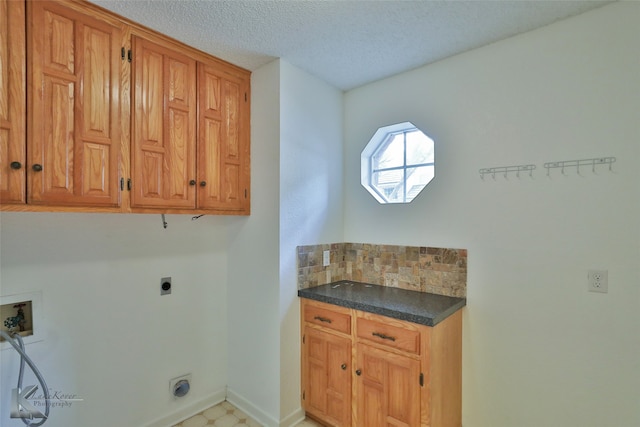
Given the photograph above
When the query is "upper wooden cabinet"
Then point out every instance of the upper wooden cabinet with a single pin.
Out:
(100, 114)
(164, 127)
(12, 102)
(223, 138)
(73, 107)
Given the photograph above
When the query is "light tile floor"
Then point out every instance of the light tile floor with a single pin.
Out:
(227, 415)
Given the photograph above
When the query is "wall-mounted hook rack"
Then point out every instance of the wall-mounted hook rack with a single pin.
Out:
(564, 164)
(506, 170)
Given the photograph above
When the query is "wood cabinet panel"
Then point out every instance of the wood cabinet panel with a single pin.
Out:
(327, 318)
(164, 127)
(327, 378)
(387, 388)
(328, 388)
(390, 333)
(223, 139)
(12, 102)
(74, 83)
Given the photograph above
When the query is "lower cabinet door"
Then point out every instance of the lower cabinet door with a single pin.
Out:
(387, 388)
(327, 377)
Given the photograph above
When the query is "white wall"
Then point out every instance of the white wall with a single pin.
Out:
(296, 199)
(539, 350)
(254, 330)
(311, 203)
(109, 336)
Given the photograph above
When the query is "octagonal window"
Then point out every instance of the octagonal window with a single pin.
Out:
(397, 163)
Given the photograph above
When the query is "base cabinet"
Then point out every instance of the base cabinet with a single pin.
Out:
(328, 390)
(387, 388)
(365, 370)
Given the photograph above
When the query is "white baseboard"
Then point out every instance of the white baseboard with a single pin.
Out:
(293, 419)
(250, 409)
(189, 410)
(236, 400)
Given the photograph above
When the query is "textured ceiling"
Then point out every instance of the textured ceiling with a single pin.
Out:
(346, 43)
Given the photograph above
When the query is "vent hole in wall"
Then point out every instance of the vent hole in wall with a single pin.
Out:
(181, 388)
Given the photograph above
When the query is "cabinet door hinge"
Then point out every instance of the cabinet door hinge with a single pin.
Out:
(245, 97)
(421, 379)
(129, 55)
(303, 338)
(303, 396)
(245, 193)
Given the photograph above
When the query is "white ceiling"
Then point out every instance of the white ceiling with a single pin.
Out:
(346, 43)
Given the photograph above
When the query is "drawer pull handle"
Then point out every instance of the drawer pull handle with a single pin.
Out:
(323, 319)
(383, 336)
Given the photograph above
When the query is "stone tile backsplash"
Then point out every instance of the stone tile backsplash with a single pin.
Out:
(440, 271)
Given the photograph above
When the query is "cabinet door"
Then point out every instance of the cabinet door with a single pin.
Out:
(12, 102)
(74, 114)
(327, 377)
(223, 138)
(387, 388)
(164, 127)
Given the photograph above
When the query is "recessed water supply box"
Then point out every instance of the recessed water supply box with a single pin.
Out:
(22, 314)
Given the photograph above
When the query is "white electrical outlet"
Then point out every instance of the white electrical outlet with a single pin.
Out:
(598, 281)
(326, 258)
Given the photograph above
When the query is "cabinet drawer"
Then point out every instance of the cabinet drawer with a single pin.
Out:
(329, 319)
(396, 335)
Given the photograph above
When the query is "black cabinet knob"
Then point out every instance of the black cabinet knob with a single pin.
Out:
(358, 372)
(344, 366)
(37, 167)
(15, 165)
(203, 183)
(192, 182)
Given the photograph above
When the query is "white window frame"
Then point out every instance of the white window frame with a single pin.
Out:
(382, 137)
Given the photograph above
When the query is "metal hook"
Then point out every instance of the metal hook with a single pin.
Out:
(164, 223)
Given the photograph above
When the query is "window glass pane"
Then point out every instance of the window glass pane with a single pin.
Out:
(390, 154)
(390, 184)
(417, 179)
(419, 148)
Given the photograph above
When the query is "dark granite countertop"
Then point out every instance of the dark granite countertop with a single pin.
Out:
(412, 306)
